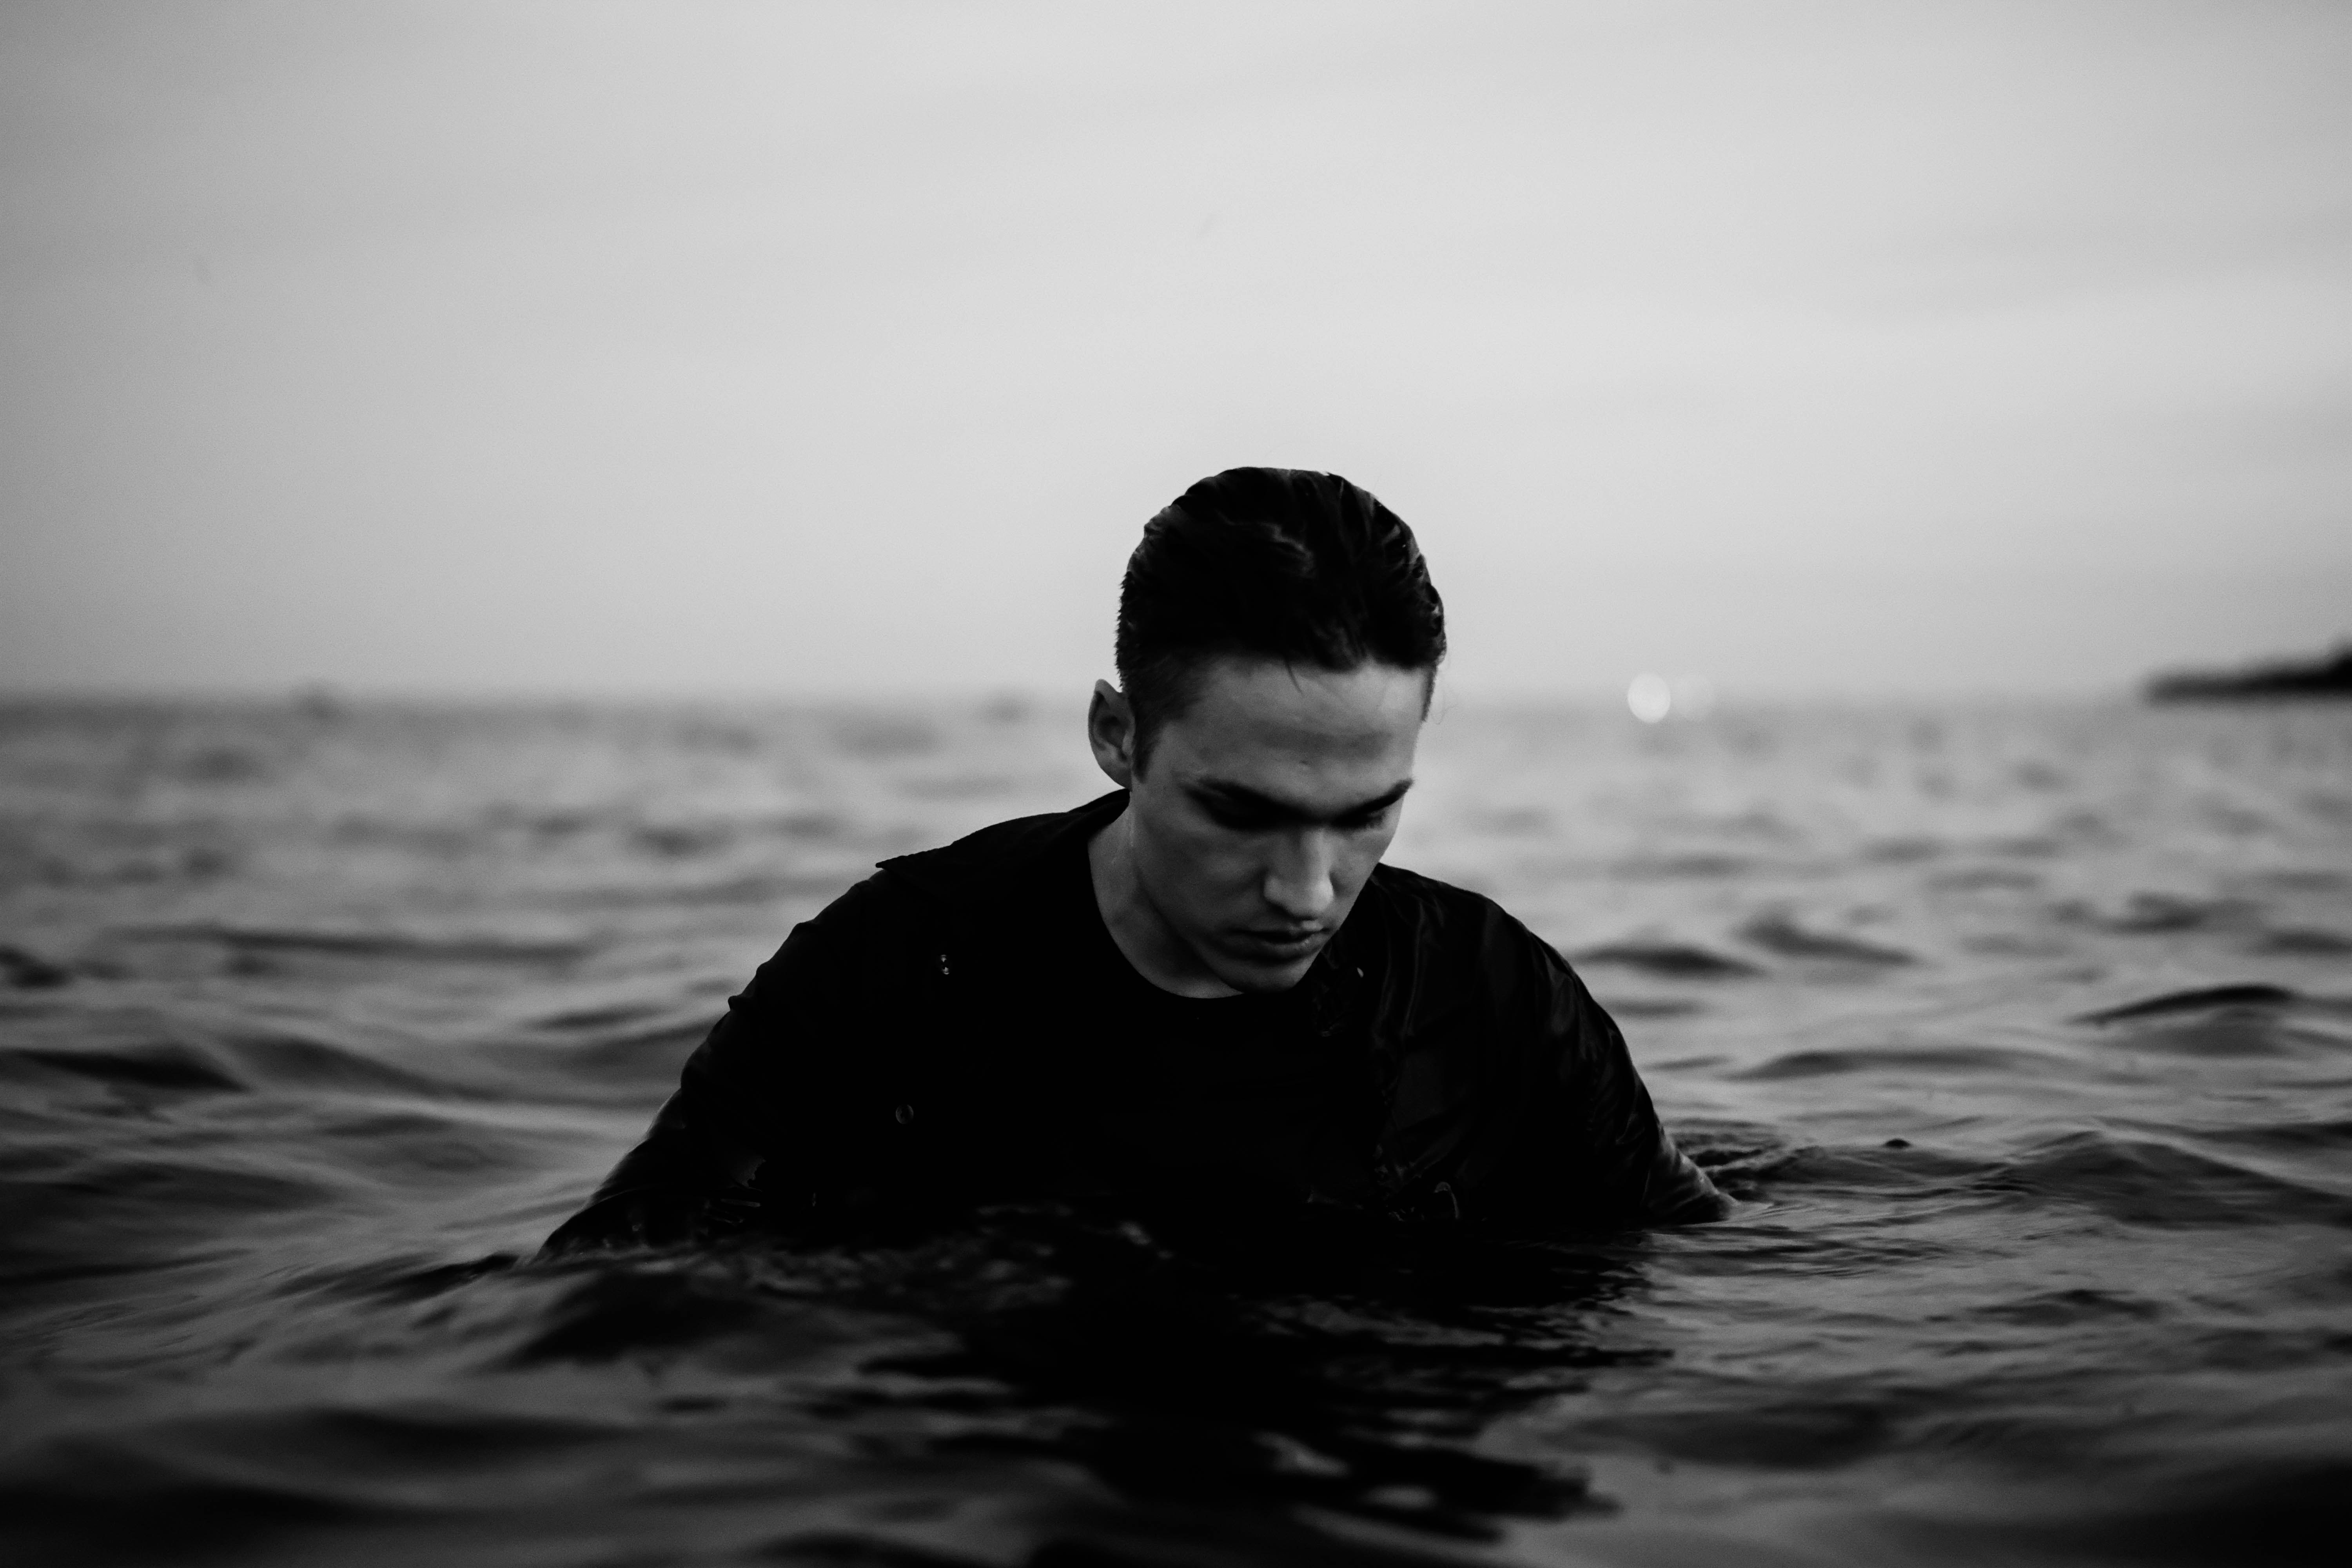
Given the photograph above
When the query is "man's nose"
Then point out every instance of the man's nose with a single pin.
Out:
(1299, 882)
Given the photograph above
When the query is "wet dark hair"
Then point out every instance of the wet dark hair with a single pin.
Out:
(1279, 563)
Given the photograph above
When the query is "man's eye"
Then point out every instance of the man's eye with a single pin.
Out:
(1240, 820)
(1364, 823)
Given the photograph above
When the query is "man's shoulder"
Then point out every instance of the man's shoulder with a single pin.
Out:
(997, 858)
(1431, 923)
(1424, 901)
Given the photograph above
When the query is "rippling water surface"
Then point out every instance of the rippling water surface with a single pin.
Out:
(2027, 1033)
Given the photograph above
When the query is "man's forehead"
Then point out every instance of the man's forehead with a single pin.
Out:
(1372, 703)
(1315, 742)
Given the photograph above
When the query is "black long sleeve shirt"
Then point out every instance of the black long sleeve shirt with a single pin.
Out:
(959, 1029)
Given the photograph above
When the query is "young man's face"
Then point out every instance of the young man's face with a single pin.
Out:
(1262, 808)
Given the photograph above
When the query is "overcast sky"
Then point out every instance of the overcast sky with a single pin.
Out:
(751, 348)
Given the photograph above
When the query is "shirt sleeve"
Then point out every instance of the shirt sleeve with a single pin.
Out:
(774, 1108)
(1580, 1142)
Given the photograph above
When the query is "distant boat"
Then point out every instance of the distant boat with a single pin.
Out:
(2330, 677)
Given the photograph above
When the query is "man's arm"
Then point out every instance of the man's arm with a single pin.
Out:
(1583, 1143)
(777, 1099)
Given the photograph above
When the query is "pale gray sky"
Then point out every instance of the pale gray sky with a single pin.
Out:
(677, 347)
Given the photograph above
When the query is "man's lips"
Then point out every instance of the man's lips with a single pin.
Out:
(1282, 943)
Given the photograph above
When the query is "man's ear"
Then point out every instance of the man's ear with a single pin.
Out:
(1110, 730)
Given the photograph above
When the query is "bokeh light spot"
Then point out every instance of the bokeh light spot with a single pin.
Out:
(1650, 696)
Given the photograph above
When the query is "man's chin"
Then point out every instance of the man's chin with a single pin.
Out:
(1265, 975)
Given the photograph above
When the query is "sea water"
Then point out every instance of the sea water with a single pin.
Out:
(2024, 1033)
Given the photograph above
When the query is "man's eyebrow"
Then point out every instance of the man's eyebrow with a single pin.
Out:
(1220, 791)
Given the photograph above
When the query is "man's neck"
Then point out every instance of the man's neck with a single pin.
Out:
(1135, 926)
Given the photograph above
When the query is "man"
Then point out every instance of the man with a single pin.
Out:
(1203, 988)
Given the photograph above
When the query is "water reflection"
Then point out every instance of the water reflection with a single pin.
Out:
(1249, 1387)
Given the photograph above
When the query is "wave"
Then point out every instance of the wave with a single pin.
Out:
(293, 1062)
(1983, 879)
(1655, 1007)
(2305, 941)
(1904, 851)
(2286, 1137)
(2200, 999)
(391, 1153)
(608, 1015)
(2298, 878)
(1905, 1060)
(1780, 934)
(1509, 821)
(402, 1280)
(93, 1209)
(165, 1065)
(885, 736)
(2228, 1032)
(2063, 1308)
(627, 1065)
(2161, 914)
(433, 1483)
(88, 1500)
(2286, 1511)
(1695, 866)
(2139, 1183)
(756, 888)
(249, 1484)
(1896, 1165)
(971, 786)
(682, 840)
(2144, 1182)
(620, 1055)
(1827, 1432)
(618, 1311)
(29, 971)
(469, 949)
(223, 1063)
(1680, 961)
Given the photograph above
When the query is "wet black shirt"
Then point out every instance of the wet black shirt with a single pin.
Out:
(1233, 1096)
(961, 1028)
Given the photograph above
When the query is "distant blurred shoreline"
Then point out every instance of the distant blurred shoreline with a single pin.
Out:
(2327, 677)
